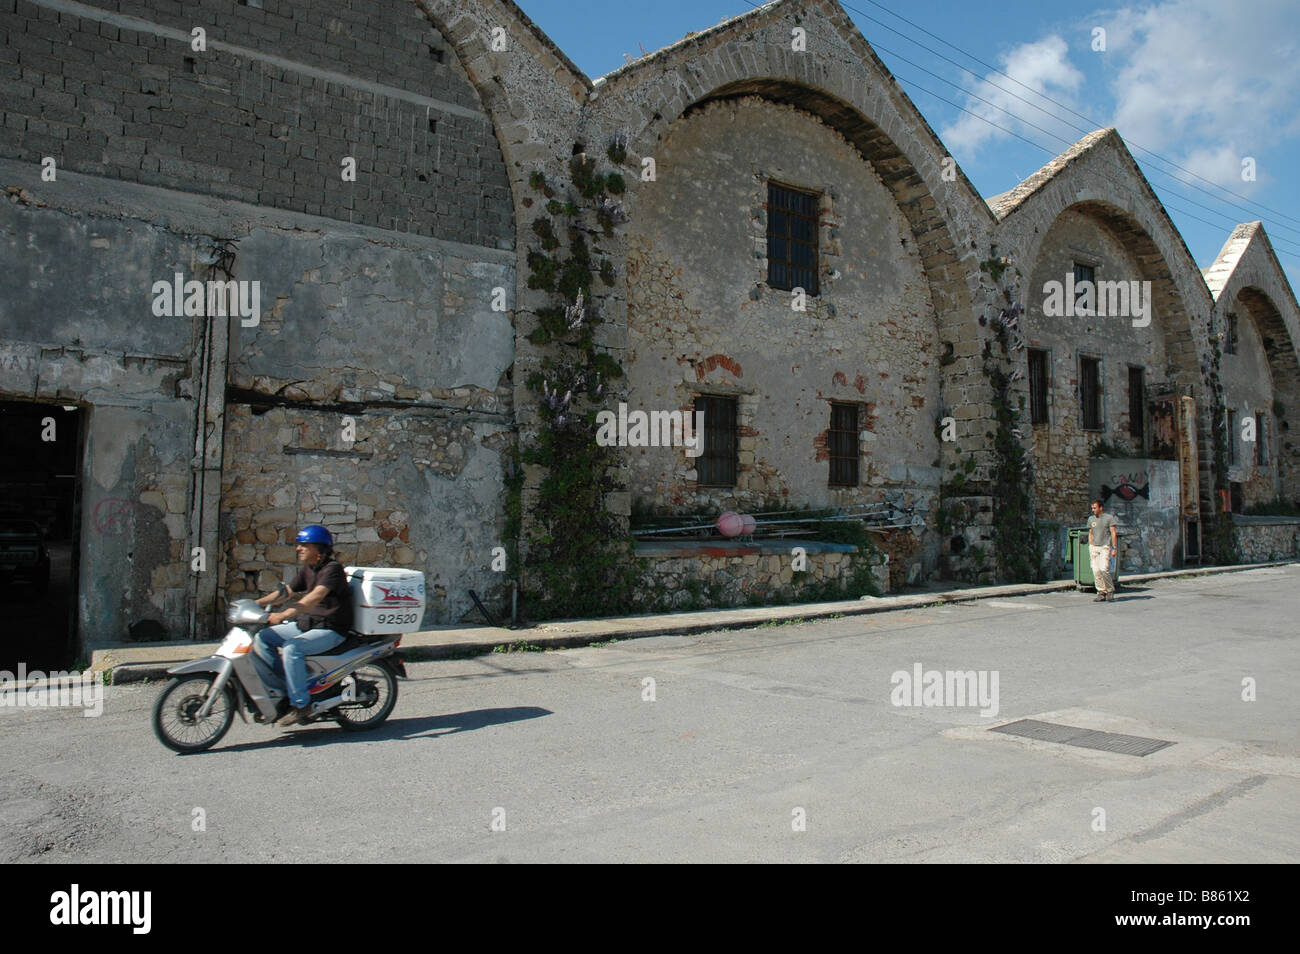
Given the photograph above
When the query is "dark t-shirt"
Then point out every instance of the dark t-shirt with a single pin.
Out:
(335, 610)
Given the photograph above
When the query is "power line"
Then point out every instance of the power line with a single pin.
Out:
(1109, 182)
(1232, 223)
(1093, 123)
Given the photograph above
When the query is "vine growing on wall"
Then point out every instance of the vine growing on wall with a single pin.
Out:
(1219, 538)
(578, 559)
(1016, 550)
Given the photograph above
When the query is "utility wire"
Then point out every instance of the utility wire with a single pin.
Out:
(1039, 146)
(1092, 122)
(1232, 223)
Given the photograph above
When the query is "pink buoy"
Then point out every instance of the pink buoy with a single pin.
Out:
(731, 524)
(747, 525)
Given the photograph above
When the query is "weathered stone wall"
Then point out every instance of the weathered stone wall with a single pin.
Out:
(736, 574)
(1061, 446)
(1247, 281)
(838, 79)
(1248, 390)
(1263, 539)
(78, 330)
(368, 318)
(397, 340)
(267, 113)
(702, 320)
(1143, 495)
(1098, 179)
(418, 488)
(376, 294)
(406, 332)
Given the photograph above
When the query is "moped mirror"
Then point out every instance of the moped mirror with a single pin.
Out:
(246, 613)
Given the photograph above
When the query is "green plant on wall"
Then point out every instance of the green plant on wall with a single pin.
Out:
(1220, 540)
(1015, 535)
(1016, 554)
(579, 560)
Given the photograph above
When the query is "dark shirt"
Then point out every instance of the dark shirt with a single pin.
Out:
(335, 610)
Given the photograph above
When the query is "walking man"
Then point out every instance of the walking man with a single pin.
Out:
(1103, 544)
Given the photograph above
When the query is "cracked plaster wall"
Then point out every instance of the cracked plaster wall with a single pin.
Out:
(78, 328)
(396, 335)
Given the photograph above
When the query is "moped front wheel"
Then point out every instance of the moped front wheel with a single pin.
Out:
(175, 715)
(370, 693)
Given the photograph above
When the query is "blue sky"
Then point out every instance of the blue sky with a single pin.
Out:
(1202, 84)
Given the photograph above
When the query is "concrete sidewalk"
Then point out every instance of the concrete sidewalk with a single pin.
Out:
(132, 662)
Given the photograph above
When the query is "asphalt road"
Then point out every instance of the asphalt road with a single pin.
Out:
(750, 733)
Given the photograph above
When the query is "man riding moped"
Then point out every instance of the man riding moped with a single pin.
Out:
(316, 622)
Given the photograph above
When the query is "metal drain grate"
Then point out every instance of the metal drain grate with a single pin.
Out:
(1083, 738)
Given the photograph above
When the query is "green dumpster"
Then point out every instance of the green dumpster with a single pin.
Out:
(1082, 560)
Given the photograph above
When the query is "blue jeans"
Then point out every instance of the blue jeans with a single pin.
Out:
(286, 641)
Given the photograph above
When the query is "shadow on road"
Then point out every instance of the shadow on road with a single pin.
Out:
(428, 727)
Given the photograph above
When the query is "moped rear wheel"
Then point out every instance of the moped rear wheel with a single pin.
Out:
(175, 714)
(374, 689)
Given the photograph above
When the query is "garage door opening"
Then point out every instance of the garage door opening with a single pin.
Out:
(39, 518)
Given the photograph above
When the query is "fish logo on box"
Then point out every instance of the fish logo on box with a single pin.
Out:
(401, 592)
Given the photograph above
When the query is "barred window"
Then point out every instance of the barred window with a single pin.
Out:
(1136, 403)
(1261, 439)
(842, 442)
(1038, 378)
(1232, 437)
(716, 466)
(1084, 273)
(1230, 335)
(791, 239)
(1090, 392)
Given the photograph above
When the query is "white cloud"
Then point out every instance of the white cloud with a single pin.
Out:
(1206, 82)
(1044, 67)
(1220, 163)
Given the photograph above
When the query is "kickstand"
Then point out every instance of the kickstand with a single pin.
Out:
(483, 609)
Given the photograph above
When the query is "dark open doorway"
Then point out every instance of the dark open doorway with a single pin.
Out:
(39, 519)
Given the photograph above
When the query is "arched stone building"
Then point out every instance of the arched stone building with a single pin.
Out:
(834, 397)
(1255, 330)
(1091, 369)
(381, 383)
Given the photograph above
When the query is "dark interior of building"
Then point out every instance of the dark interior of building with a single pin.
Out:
(38, 534)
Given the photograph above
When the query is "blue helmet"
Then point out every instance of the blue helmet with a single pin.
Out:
(316, 534)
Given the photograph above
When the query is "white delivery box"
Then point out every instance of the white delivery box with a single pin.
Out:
(386, 601)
